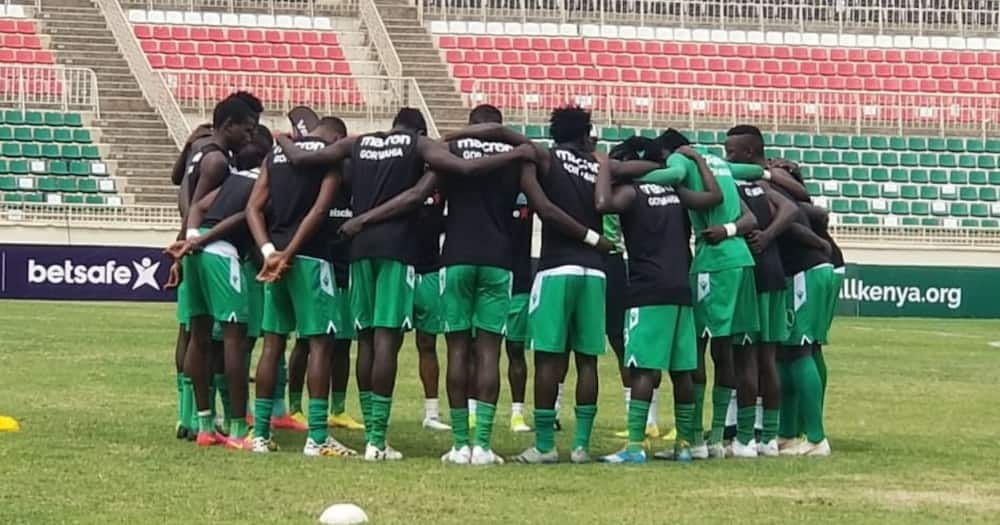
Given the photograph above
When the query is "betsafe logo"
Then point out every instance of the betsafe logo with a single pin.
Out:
(142, 273)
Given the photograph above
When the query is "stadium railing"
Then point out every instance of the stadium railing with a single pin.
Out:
(300, 7)
(36, 4)
(64, 88)
(948, 17)
(153, 88)
(530, 101)
(380, 96)
(380, 39)
(165, 218)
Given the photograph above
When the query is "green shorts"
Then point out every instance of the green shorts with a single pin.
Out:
(215, 284)
(772, 310)
(838, 283)
(382, 294)
(345, 321)
(725, 302)
(427, 306)
(809, 304)
(566, 311)
(517, 318)
(661, 337)
(475, 297)
(303, 300)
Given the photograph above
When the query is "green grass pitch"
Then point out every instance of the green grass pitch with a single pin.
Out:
(912, 416)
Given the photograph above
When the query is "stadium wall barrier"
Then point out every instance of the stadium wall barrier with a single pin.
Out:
(86, 273)
(920, 291)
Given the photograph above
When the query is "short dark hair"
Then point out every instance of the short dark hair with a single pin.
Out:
(263, 137)
(334, 124)
(233, 109)
(637, 148)
(485, 113)
(745, 129)
(671, 139)
(410, 118)
(569, 123)
(251, 101)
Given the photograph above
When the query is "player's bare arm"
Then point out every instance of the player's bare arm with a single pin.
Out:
(256, 204)
(550, 213)
(786, 181)
(489, 131)
(406, 201)
(744, 225)
(327, 156)
(439, 158)
(608, 198)
(311, 223)
(783, 211)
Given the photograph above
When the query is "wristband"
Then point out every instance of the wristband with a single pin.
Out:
(267, 249)
(591, 238)
(767, 175)
(730, 229)
(192, 233)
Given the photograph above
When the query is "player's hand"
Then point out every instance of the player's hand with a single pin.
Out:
(688, 152)
(782, 164)
(173, 276)
(526, 152)
(759, 241)
(352, 227)
(604, 245)
(275, 265)
(714, 234)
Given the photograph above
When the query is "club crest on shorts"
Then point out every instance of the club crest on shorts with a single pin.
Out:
(234, 274)
(704, 285)
(325, 279)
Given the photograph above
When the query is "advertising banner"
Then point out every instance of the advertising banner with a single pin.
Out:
(920, 291)
(85, 273)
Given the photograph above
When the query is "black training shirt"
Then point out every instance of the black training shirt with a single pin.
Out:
(657, 233)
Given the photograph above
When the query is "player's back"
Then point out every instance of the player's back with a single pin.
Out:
(732, 252)
(232, 199)
(293, 191)
(383, 165)
(656, 231)
(192, 171)
(478, 228)
(768, 272)
(569, 184)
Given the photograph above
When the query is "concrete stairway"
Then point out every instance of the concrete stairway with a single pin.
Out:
(422, 61)
(134, 138)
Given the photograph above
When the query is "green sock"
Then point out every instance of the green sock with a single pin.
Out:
(638, 410)
(585, 415)
(720, 405)
(485, 413)
(338, 403)
(770, 421)
(294, 402)
(698, 421)
(744, 423)
(545, 432)
(317, 419)
(381, 410)
(262, 417)
(821, 369)
(180, 398)
(365, 397)
(191, 413)
(683, 421)
(810, 393)
(788, 422)
(238, 430)
(459, 427)
(219, 381)
(280, 407)
(205, 422)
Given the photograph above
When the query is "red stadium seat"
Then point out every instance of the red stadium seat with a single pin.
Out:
(148, 46)
(155, 61)
(615, 46)
(167, 47)
(26, 27)
(192, 62)
(161, 32)
(180, 33)
(187, 47)
(211, 63)
(8, 26)
(255, 36)
(173, 62)
(306, 67)
(558, 44)
(521, 44)
(483, 42)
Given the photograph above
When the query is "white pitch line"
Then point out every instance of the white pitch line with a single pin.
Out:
(918, 331)
(995, 344)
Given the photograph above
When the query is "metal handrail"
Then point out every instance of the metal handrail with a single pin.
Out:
(153, 88)
(420, 103)
(379, 36)
(306, 7)
(67, 88)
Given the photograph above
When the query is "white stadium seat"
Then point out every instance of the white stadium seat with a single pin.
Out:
(682, 34)
(175, 17)
(513, 28)
(883, 41)
(457, 27)
(230, 19)
(590, 31)
(265, 21)
(956, 42)
(737, 37)
(939, 42)
(550, 29)
(921, 42)
(719, 36)
(902, 41)
(287, 21)
(810, 39)
(300, 22)
(975, 42)
(848, 40)
(828, 39)
(476, 28)
(609, 31)
(439, 26)
(701, 35)
(755, 37)
(664, 33)
(136, 16)
(628, 32)
(494, 28)
(774, 38)
(530, 29)
(568, 30)
(156, 17)
(192, 19)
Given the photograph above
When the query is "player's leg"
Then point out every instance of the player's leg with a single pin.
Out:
(745, 359)
(340, 373)
(699, 381)
(427, 322)
(560, 388)
(183, 396)
(234, 342)
(362, 300)
(297, 364)
(457, 287)
(196, 367)
(586, 337)
(393, 310)
(773, 330)
(277, 322)
(470, 386)
(517, 366)
(548, 324)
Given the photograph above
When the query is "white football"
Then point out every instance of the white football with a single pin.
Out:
(343, 514)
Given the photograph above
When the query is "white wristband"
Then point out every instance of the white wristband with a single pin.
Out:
(767, 175)
(267, 249)
(591, 238)
(730, 229)
(192, 233)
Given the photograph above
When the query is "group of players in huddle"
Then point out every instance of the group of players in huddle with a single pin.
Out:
(335, 238)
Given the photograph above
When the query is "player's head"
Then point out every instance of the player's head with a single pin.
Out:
(330, 129)
(252, 154)
(637, 148)
(234, 122)
(570, 124)
(252, 102)
(671, 139)
(744, 144)
(485, 113)
(410, 119)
